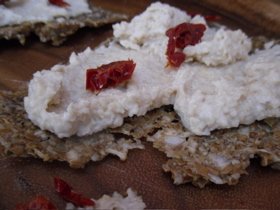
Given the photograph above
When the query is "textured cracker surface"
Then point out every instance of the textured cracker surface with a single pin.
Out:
(20, 138)
(220, 158)
(58, 30)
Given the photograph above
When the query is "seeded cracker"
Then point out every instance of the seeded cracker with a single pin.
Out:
(220, 158)
(58, 30)
(19, 137)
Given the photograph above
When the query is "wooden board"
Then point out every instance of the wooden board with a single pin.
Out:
(21, 179)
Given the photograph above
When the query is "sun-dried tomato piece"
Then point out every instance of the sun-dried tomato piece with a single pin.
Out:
(212, 17)
(176, 59)
(109, 75)
(38, 203)
(68, 194)
(171, 47)
(181, 36)
(186, 34)
(206, 17)
(59, 3)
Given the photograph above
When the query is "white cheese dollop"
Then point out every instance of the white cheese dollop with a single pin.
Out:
(223, 97)
(236, 88)
(222, 48)
(20, 11)
(149, 25)
(58, 101)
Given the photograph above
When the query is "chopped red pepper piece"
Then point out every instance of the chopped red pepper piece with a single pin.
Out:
(67, 193)
(59, 3)
(181, 36)
(109, 75)
(38, 203)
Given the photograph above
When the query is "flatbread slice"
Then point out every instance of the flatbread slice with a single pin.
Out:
(220, 158)
(57, 31)
(19, 137)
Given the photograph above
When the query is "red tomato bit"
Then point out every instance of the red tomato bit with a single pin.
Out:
(207, 17)
(38, 203)
(212, 17)
(59, 3)
(109, 75)
(67, 193)
(181, 36)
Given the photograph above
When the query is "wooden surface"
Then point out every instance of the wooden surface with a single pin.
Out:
(263, 15)
(21, 179)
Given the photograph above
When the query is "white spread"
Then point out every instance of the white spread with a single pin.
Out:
(236, 88)
(19, 11)
(149, 26)
(222, 97)
(59, 102)
(220, 47)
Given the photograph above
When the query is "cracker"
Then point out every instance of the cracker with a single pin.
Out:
(220, 158)
(19, 137)
(59, 29)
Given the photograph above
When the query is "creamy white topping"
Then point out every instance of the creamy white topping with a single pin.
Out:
(220, 48)
(19, 11)
(58, 100)
(237, 89)
(223, 97)
(149, 26)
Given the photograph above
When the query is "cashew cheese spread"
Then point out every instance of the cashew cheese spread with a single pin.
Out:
(20, 11)
(218, 86)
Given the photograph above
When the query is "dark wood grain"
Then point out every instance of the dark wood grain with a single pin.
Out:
(262, 15)
(21, 179)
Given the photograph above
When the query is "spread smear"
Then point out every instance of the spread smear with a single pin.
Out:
(220, 85)
(20, 11)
